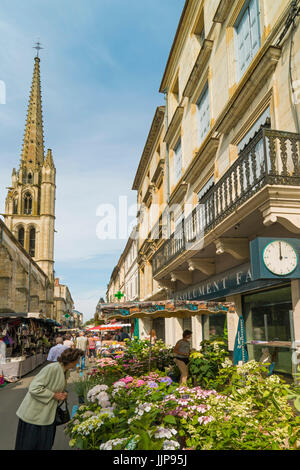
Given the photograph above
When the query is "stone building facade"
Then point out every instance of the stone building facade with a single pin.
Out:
(227, 156)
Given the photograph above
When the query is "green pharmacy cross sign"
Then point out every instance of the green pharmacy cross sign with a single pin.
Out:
(67, 315)
(119, 295)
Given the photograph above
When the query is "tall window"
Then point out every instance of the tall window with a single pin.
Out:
(21, 236)
(32, 242)
(247, 35)
(15, 206)
(29, 178)
(27, 204)
(203, 114)
(177, 162)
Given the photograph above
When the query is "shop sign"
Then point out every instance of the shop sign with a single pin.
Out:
(221, 285)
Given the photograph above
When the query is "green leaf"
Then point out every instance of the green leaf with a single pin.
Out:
(297, 403)
(170, 419)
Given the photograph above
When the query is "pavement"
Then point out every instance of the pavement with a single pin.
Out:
(11, 397)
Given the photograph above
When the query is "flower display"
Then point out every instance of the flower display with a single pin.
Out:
(233, 407)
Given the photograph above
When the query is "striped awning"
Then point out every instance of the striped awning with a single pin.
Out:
(165, 309)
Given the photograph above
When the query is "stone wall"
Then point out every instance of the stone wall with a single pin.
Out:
(23, 285)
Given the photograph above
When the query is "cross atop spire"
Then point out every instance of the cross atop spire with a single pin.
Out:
(38, 48)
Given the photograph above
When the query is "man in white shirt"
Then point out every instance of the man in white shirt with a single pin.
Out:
(82, 343)
(56, 351)
(68, 342)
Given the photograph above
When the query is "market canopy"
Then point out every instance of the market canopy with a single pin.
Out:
(165, 309)
(113, 326)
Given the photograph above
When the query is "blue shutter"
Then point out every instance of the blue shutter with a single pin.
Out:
(248, 36)
(244, 42)
(177, 162)
(254, 26)
(204, 115)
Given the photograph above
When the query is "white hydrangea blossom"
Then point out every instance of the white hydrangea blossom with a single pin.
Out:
(99, 394)
(165, 433)
(109, 445)
(227, 363)
(90, 425)
(144, 407)
(171, 445)
(119, 385)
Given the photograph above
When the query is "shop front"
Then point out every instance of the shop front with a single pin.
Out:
(266, 305)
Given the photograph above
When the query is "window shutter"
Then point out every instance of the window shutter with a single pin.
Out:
(177, 162)
(254, 26)
(204, 114)
(244, 42)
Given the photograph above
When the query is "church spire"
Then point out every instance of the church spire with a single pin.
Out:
(33, 146)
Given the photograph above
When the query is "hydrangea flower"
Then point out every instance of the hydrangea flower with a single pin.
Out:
(171, 445)
(166, 380)
(119, 384)
(109, 445)
(162, 433)
(152, 384)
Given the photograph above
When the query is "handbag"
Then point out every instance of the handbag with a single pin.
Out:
(62, 416)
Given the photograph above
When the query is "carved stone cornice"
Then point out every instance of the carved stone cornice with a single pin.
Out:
(237, 247)
(179, 193)
(159, 173)
(222, 11)
(205, 265)
(149, 195)
(202, 157)
(198, 68)
(282, 206)
(185, 277)
(148, 149)
(174, 124)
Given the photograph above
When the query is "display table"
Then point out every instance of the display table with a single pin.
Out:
(21, 368)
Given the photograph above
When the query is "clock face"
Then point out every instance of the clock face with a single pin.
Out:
(280, 258)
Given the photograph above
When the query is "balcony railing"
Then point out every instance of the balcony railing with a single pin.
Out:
(270, 158)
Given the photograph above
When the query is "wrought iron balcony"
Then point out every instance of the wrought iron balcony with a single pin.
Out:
(270, 158)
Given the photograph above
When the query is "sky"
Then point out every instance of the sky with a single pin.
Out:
(101, 68)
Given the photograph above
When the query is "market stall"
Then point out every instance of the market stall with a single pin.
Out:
(25, 344)
(109, 327)
(165, 309)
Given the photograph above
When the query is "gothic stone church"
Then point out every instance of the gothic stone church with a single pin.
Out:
(27, 237)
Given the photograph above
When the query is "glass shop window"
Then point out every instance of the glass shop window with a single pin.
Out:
(213, 325)
(267, 319)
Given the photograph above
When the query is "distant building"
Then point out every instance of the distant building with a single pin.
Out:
(78, 319)
(63, 304)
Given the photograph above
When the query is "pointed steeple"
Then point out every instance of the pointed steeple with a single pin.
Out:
(49, 159)
(33, 146)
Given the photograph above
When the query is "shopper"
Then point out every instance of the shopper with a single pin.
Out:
(98, 343)
(57, 350)
(36, 428)
(68, 341)
(152, 336)
(182, 351)
(91, 347)
(82, 343)
(123, 335)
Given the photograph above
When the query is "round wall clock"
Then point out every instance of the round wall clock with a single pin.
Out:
(280, 257)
